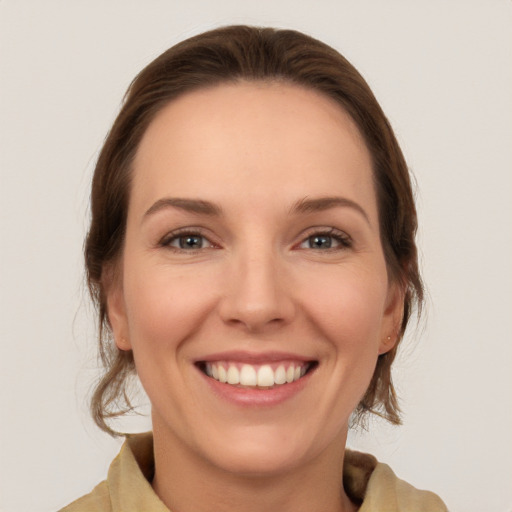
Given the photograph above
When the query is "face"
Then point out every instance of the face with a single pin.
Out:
(252, 287)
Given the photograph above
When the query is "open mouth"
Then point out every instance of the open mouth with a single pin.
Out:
(262, 376)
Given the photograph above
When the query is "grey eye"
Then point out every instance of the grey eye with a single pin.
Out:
(188, 242)
(320, 241)
(326, 240)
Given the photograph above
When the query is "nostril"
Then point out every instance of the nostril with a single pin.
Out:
(254, 322)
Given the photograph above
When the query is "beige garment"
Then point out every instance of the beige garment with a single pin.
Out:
(128, 489)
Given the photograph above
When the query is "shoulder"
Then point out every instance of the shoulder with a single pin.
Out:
(380, 490)
(96, 501)
(127, 487)
(385, 487)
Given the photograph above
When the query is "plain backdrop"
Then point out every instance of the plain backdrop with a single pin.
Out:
(442, 70)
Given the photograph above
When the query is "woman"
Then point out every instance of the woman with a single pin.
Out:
(252, 256)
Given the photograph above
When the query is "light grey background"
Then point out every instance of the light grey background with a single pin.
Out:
(442, 70)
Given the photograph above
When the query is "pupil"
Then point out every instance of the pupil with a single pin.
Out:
(191, 242)
(320, 241)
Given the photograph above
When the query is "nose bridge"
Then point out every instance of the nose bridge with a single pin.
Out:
(257, 294)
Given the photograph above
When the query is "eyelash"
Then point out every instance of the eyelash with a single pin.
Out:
(344, 241)
(169, 238)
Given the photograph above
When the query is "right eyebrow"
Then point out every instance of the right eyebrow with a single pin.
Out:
(308, 205)
(190, 205)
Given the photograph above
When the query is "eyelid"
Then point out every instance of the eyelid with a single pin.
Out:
(170, 236)
(344, 239)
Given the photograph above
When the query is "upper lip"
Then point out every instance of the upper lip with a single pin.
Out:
(254, 357)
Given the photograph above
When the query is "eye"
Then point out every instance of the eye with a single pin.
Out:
(186, 241)
(325, 240)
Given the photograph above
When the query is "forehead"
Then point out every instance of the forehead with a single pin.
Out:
(250, 135)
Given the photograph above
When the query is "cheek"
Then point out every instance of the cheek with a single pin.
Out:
(164, 305)
(350, 305)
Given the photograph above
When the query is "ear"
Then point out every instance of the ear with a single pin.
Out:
(392, 319)
(116, 309)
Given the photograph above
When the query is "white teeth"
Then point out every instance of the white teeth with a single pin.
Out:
(248, 376)
(280, 375)
(233, 375)
(263, 376)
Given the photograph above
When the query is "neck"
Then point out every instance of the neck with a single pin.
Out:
(186, 482)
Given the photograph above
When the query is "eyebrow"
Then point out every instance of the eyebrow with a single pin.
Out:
(319, 204)
(304, 205)
(190, 205)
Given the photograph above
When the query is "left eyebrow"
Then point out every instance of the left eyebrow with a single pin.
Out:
(319, 204)
(198, 206)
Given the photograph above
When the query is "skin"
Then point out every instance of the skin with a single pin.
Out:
(258, 283)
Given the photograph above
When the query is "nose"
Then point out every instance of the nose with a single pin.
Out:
(258, 294)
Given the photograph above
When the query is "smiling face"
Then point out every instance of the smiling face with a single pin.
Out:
(253, 254)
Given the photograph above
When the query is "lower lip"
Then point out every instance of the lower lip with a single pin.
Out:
(252, 397)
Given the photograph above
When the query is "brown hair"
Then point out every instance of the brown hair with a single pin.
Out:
(231, 54)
